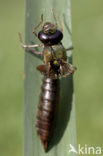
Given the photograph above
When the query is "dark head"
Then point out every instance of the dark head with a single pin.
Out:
(49, 35)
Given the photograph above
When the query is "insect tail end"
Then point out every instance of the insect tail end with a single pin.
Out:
(45, 145)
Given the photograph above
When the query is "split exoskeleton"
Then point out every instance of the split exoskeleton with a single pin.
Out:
(54, 53)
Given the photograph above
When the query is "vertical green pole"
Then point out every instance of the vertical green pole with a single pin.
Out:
(64, 131)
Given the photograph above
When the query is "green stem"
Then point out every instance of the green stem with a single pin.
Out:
(64, 132)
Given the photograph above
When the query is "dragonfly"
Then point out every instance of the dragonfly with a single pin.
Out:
(55, 66)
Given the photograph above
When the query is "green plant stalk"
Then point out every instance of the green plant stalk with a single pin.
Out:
(64, 131)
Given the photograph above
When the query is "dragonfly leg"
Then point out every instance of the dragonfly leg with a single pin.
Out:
(70, 48)
(38, 26)
(28, 46)
(33, 51)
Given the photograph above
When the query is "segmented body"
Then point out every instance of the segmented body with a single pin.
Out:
(46, 109)
(55, 66)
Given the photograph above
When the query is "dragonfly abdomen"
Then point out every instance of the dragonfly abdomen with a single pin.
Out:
(46, 109)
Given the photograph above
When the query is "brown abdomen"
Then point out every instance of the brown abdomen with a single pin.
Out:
(46, 109)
